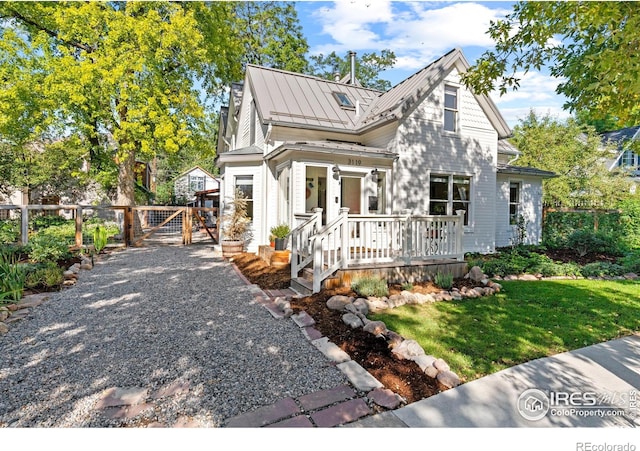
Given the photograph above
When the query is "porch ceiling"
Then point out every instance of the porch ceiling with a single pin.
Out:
(332, 147)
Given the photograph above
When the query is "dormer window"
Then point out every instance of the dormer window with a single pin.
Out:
(343, 100)
(450, 108)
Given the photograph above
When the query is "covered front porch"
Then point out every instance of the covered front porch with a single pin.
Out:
(396, 245)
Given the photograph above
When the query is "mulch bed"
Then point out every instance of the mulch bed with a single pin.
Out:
(401, 376)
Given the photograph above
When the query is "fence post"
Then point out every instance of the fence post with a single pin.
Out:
(24, 224)
(79, 227)
(128, 226)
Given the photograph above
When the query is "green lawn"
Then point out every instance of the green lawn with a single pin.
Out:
(525, 321)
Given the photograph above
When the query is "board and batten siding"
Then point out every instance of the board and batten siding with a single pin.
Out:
(425, 148)
(531, 203)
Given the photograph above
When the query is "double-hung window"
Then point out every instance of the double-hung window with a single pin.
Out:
(448, 194)
(450, 108)
(514, 202)
(244, 183)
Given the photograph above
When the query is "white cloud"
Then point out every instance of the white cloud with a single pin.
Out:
(417, 32)
(514, 115)
(534, 87)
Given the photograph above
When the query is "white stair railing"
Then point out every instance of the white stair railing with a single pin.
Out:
(301, 238)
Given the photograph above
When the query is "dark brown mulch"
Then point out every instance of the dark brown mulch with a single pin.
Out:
(403, 377)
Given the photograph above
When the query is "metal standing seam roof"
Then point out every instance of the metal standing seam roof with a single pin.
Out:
(619, 137)
(303, 100)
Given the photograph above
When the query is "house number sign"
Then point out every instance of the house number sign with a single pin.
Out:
(353, 162)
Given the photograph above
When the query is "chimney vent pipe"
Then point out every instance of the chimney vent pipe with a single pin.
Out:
(352, 57)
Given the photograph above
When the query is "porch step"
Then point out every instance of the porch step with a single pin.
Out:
(302, 286)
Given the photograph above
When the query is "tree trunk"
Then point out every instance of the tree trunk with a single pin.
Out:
(126, 180)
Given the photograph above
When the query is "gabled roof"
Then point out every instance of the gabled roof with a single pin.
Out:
(619, 137)
(400, 99)
(193, 169)
(298, 100)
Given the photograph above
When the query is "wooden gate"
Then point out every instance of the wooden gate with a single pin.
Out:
(170, 225)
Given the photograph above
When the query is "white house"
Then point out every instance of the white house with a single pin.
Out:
(424, 150)
(190, 182)
(625, 157)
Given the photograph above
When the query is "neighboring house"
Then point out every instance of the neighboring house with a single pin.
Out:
(624, 158)
(428, 146)
(190, 182)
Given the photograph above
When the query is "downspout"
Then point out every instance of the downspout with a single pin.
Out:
(513, 160)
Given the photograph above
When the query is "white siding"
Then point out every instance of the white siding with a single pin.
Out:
(531, 208)
(425, 148)
(227, 193)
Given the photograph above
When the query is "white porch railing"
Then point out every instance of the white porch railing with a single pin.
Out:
(362, 239)
(307, 226)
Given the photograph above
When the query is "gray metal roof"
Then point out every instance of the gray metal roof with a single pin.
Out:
(302, 100)
(505, 147)
(525, 170)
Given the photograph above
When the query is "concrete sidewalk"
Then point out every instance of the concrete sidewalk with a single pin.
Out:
(604, 380)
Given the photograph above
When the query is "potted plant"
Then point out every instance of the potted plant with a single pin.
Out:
(281, 233)
(235, 226)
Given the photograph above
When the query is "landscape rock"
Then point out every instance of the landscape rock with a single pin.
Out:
(3, 328)
(431, 371)
(407, 350)
(4, 314)
(86, 266)
(393, 339)
(68, 274)
(396, 300)
(361, 305)
(352, 320)
(375, 327)
(441, 365)
(424, 361)
(423, 298)
(631, 276)
(338, 302)
(409, 297)
(475, 274)
(385, 398)
(376, 304)
(527, 277)
(447, 379)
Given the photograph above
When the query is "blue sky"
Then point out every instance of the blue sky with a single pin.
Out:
(420, 32)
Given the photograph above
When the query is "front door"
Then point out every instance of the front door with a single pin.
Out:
(351, 194)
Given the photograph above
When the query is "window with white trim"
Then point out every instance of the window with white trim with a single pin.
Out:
(196, 183)
(448, 194)
(244, 183)
(514, 202)
(450, 108)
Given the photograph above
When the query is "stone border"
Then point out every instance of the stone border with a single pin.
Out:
(16, 311)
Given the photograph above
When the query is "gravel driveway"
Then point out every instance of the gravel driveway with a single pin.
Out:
(148, 319)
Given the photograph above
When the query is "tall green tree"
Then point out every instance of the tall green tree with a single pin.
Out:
(270, 35)
(576, 154)
(593, 46)
(368, 67)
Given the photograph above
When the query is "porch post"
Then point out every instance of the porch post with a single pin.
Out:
(460, 235)
(79, 227)
(406, 238)
(24, 224)
(344, 247)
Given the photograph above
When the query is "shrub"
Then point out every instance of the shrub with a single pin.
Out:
(12, 278)
(9, 231)
(630, 219)
(48, 248)
(45, 221)
(370, 286)
(47, 275)
(14, 252)
(444, 281)
(407, 286)
(586, 242)
(602, 269)
(631, 261)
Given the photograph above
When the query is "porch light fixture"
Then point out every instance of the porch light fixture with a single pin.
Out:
(375, 175)
(336, 172)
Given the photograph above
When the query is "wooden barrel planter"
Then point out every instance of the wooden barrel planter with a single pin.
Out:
(280, 259)
(231, 248)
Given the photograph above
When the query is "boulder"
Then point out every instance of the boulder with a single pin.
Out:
(3, 328)
(376, 304)
(423, 298)
(375, 327)
(396, 300)
(338, 302)
(385, 398)
(407, 350)
(393, 339)
(475, 274)
(361, 306)
(631, 276)
(410, 298)
(352, 320)
(441, 365)
(424, 361)
(447, 379)
(527, 277)
(431, 371)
